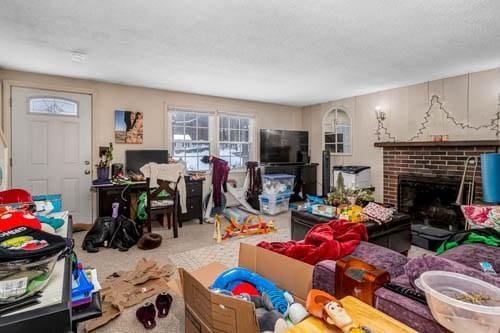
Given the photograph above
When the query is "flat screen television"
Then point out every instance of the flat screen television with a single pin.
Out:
(135, 159)
(282, 146)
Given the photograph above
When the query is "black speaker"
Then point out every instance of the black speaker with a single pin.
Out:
(327, 171)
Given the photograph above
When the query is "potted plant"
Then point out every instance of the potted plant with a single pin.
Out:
(105, 158)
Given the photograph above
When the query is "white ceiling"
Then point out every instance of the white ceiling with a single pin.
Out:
(295, 52)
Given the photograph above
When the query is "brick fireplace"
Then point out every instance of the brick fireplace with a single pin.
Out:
(430, 159)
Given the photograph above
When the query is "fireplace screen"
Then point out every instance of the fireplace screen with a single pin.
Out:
(431, 201)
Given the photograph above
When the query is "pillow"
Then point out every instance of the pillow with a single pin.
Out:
(482, 216)
(416, 266)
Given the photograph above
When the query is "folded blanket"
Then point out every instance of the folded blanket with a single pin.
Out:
(326, 241)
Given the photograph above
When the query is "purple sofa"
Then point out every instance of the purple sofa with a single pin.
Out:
(464, 259)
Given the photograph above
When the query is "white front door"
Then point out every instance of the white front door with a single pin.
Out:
(51, 147)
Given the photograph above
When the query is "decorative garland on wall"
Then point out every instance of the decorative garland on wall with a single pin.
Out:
(493, 124)
(380, 127)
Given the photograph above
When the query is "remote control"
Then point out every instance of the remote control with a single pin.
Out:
(408, 292)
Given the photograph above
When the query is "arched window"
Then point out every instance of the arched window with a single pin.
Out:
(53, 106)
(337, 135)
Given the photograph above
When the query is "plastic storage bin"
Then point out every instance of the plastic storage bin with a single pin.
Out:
(275, 184)
(24, 278)
(446, 293)
(274, 204)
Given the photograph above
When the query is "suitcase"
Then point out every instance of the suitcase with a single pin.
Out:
(428, 237)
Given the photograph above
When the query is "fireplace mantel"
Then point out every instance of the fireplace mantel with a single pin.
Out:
(468, 143)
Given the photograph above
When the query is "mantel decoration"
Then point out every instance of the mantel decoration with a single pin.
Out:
(492, 124)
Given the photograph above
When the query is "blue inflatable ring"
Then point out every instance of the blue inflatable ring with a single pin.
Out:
(276, 295)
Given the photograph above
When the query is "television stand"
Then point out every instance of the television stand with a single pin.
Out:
(305, 177)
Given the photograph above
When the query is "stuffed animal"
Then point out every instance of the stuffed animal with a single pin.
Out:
(324, 306)
(267, 316)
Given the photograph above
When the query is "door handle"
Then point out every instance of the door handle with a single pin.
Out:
(87, 162)
(87, 172)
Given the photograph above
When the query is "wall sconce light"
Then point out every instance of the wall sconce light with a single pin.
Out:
(379, 113)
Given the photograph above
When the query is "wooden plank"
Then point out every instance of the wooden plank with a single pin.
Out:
(365, 315)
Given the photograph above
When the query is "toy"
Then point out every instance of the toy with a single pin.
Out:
(324, 306)
(297, 313)
(217, 228)
(245, 288)
(238, 274)
(351, 213)
(248, 228)
(267, 316)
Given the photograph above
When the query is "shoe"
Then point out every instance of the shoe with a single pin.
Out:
(146, 315)
(163, 303)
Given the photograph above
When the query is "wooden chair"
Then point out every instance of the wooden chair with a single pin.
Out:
(161, 206)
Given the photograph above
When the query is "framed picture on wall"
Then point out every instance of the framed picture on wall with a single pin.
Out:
(129, 127)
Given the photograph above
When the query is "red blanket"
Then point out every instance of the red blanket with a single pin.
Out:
(332, 240)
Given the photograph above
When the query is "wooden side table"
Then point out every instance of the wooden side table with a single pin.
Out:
(361, 313)
(378, 321)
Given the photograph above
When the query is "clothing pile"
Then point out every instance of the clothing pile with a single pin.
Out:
(488, 236)
(326, 241)
(120, 233)
(169, 172)
(125, 289)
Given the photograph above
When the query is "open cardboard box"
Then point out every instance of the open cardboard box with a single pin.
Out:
(210, 312)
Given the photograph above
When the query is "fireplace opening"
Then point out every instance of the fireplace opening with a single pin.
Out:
(430, 200)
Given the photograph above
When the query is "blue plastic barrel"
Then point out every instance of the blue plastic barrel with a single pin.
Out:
(490, 170)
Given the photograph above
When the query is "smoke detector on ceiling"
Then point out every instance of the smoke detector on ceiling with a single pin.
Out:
(78, 56)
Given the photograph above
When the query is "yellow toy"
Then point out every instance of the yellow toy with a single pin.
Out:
(248, 228)
(217, 225)
(351, 213)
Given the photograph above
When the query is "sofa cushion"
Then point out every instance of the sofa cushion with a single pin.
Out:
(472, 254)
(404, 309)
(416, 266)
(412, 313)
(381, 257)
(378, 256)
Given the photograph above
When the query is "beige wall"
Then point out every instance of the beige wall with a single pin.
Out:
(405, 108)
(153, 103)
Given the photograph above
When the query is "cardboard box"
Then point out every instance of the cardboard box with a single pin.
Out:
(207, 312)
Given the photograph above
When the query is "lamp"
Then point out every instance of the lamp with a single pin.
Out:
(379, 113)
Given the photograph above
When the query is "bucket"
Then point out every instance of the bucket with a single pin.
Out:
(490, 171)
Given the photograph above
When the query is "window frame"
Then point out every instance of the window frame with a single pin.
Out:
(249, 141)
(213, 131)
(172, 141)
(55, 98)
(334, 125)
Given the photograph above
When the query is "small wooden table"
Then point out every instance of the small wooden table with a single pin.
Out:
(378, 321)
(362, 314)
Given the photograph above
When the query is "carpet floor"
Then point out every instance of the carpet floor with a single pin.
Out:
(193, 248)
